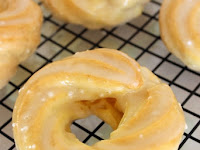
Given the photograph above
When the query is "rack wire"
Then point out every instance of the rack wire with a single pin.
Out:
(138, 38)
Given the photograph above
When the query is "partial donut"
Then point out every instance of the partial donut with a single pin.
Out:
(20, 22)
(142, 111)
(180, 30)
(96, 14)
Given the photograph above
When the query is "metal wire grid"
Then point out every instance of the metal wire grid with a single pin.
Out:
(60, 40)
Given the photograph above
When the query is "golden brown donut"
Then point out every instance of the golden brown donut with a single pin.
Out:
(96, 14)
(20, 22)
(180, 30)
(142, 111)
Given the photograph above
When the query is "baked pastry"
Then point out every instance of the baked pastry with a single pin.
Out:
(96, 14)
(20, 22)
(142, 111)
(179, 26)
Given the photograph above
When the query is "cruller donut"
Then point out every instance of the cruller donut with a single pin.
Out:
(96, 14)
(180, 30)
(20, 22)
(142, 111)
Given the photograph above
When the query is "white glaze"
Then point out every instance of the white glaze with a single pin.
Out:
(150, 104)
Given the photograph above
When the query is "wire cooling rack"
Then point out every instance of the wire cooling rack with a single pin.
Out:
(140, 39)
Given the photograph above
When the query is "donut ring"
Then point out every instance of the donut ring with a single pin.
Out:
(19, 34)
(96, 14)
(179, 26)
(142, 111)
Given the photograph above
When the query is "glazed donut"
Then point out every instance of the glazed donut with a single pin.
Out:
(142, 111)
(179, 26)
(96, 14)
(20, 22)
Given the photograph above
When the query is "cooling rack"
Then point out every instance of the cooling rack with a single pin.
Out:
(138, 38)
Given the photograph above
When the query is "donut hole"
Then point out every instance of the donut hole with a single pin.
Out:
(102, 118)
(91, 130)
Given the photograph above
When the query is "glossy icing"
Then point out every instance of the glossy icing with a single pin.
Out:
(179, 24)
(96, 13)
(19, 34)
(142, 111)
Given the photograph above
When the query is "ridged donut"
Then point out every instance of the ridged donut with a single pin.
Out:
(180, 30)
(96, 13)
(20, 22)
(143, 112)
